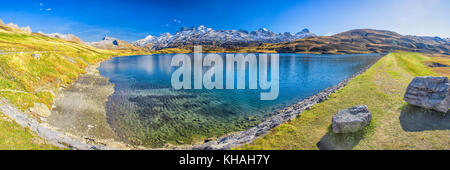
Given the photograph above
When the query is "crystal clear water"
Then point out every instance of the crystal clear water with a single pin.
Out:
(146, 110)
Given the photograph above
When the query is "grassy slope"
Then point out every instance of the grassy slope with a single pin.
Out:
(381, 88)
(25, 80)
(14, 136)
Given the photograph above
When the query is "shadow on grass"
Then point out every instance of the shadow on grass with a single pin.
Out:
(340, 141)
(416, 119)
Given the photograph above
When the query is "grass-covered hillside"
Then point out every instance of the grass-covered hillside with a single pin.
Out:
(14, 136)
(395, 124)
(25, 79)
(32, 68)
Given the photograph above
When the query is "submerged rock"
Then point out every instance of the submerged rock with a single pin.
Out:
(352, 119)
(429, 92)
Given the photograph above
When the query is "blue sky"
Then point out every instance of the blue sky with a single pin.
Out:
(134, 19)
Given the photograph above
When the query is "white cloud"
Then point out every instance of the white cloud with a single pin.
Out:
(41, 4)
(48, 9)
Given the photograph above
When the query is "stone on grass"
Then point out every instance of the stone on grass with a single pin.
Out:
(352, 119)
(429, 92)
(36, 56)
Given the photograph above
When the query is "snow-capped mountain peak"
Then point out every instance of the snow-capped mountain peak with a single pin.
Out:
(149, 37)
(306, 30)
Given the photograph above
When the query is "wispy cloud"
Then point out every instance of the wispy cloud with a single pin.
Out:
(43, 8)
(173, 22)
(177, 21)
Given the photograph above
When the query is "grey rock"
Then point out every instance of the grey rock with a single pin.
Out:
(429, 92)
(36, 56)
(40, 109)
(352, 119)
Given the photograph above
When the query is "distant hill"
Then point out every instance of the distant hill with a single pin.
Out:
(111, 43)
(67, 37)
(362, 41)
(15, 27)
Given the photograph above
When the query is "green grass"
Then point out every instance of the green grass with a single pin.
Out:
(13, 136)
(381, 88)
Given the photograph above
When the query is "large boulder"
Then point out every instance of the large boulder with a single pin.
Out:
(352, 119)
(429, 92)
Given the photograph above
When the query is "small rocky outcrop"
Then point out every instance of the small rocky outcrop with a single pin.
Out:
(429, 92)
(352, 119)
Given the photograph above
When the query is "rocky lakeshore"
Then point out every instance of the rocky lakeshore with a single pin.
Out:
(80, 110)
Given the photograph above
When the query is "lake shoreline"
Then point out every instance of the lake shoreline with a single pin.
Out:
(80, 110)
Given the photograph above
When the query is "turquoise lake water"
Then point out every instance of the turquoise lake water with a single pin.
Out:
(146, 110)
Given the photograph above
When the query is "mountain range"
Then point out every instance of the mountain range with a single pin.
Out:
(362, 41)
(202, 35)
